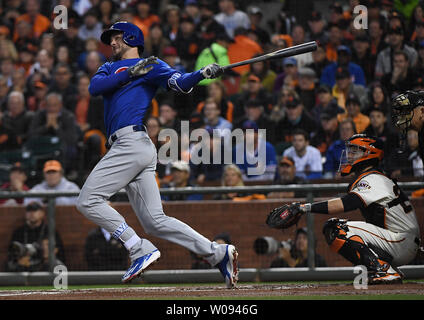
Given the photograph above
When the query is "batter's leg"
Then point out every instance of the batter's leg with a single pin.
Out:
(112, 173)
(145, 199)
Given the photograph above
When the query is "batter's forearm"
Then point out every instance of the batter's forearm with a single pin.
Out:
(188, 80)
(101, 84)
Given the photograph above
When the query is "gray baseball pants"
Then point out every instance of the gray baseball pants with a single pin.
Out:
(131, 163)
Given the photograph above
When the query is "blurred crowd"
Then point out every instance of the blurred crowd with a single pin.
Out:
(308, 104)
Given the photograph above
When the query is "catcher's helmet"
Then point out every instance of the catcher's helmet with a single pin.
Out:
(361, 151)
(132, 35)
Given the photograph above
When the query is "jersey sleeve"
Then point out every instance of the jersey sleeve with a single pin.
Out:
(371, 189)
(103, 82)
(166, 77)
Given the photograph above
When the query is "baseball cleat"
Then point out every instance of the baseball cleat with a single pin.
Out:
(228, 266)
(140, 264)
(384, 278)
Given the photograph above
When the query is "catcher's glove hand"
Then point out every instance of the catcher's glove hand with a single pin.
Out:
(285, 216)
(141, 67)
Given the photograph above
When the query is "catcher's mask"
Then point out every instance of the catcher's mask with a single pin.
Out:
(361, 151)
(403, 107)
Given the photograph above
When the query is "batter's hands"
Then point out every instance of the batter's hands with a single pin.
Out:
(212, 71)
(141, 67)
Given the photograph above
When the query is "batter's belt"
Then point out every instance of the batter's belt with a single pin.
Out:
(123, 131)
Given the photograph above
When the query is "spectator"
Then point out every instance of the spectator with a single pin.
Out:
(207, 158)
(289, 77)
(155, 42)
(379, 128)
(69, 36)
(92, 63)
(191, 8)
(56, 121)
(107, 9)
(32, 15)
(353, 111)
(92, 27)
(296, 256)
(144, 17)
(231, 18)
(7, 69)
(208, 28)
(362, 56)
(37, 100)
(54, 180)
(28, 247)
(327, 132)
(284, 21)
(217, 52)
(379, 97)
(103, 252)
(242, 48)
(345, 87)
(262, 70)
(170, 56)
(180, 172)
(335, 39)
(47, 42)
(319, 61)
(306, 87)
(255, 111)
(90, 45)
(256, 18)
(334, 152)
(16, 183)
(325, 101)
(233, 177)
(298, 35)
(17, 120)
(376, 33)
(286, 174)
(214, 120)
(4, 93)
(171, 22)
(89, 118)
(217, 91)
(307, 158)
(316, 26)
(385, 57)
(27, 53)
(259, 157)
(44, 64)
(402, 76)
(344, 53)
(187, 42)
(296, 118)
(168, 116)
(254, 91)
(62, 84)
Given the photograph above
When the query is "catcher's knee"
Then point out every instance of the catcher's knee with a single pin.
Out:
(335, 231)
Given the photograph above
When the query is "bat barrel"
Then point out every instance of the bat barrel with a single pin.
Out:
(283, 53)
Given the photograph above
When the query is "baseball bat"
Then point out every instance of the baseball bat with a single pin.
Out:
(282, 53)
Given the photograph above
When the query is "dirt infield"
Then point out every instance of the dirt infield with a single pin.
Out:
(214, 291)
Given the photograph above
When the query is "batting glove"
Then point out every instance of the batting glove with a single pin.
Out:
(212, 71)
(141, 67)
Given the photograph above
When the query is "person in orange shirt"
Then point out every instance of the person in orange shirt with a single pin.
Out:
(144, 18)
(39, 22)
(243, 48)
(353, 111)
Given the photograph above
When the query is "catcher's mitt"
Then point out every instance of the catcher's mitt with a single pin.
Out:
(285, 216)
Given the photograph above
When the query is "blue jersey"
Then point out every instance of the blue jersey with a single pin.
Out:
(126, 100)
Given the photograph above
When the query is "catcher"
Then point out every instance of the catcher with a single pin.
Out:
(390, 235)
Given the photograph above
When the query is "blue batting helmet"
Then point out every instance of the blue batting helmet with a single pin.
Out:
(132, 35)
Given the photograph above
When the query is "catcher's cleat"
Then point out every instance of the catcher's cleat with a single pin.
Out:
(140, 264)
(228, 266)
(384, 278)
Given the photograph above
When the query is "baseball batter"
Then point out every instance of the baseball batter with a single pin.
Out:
(389, 236)
(128, 84)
